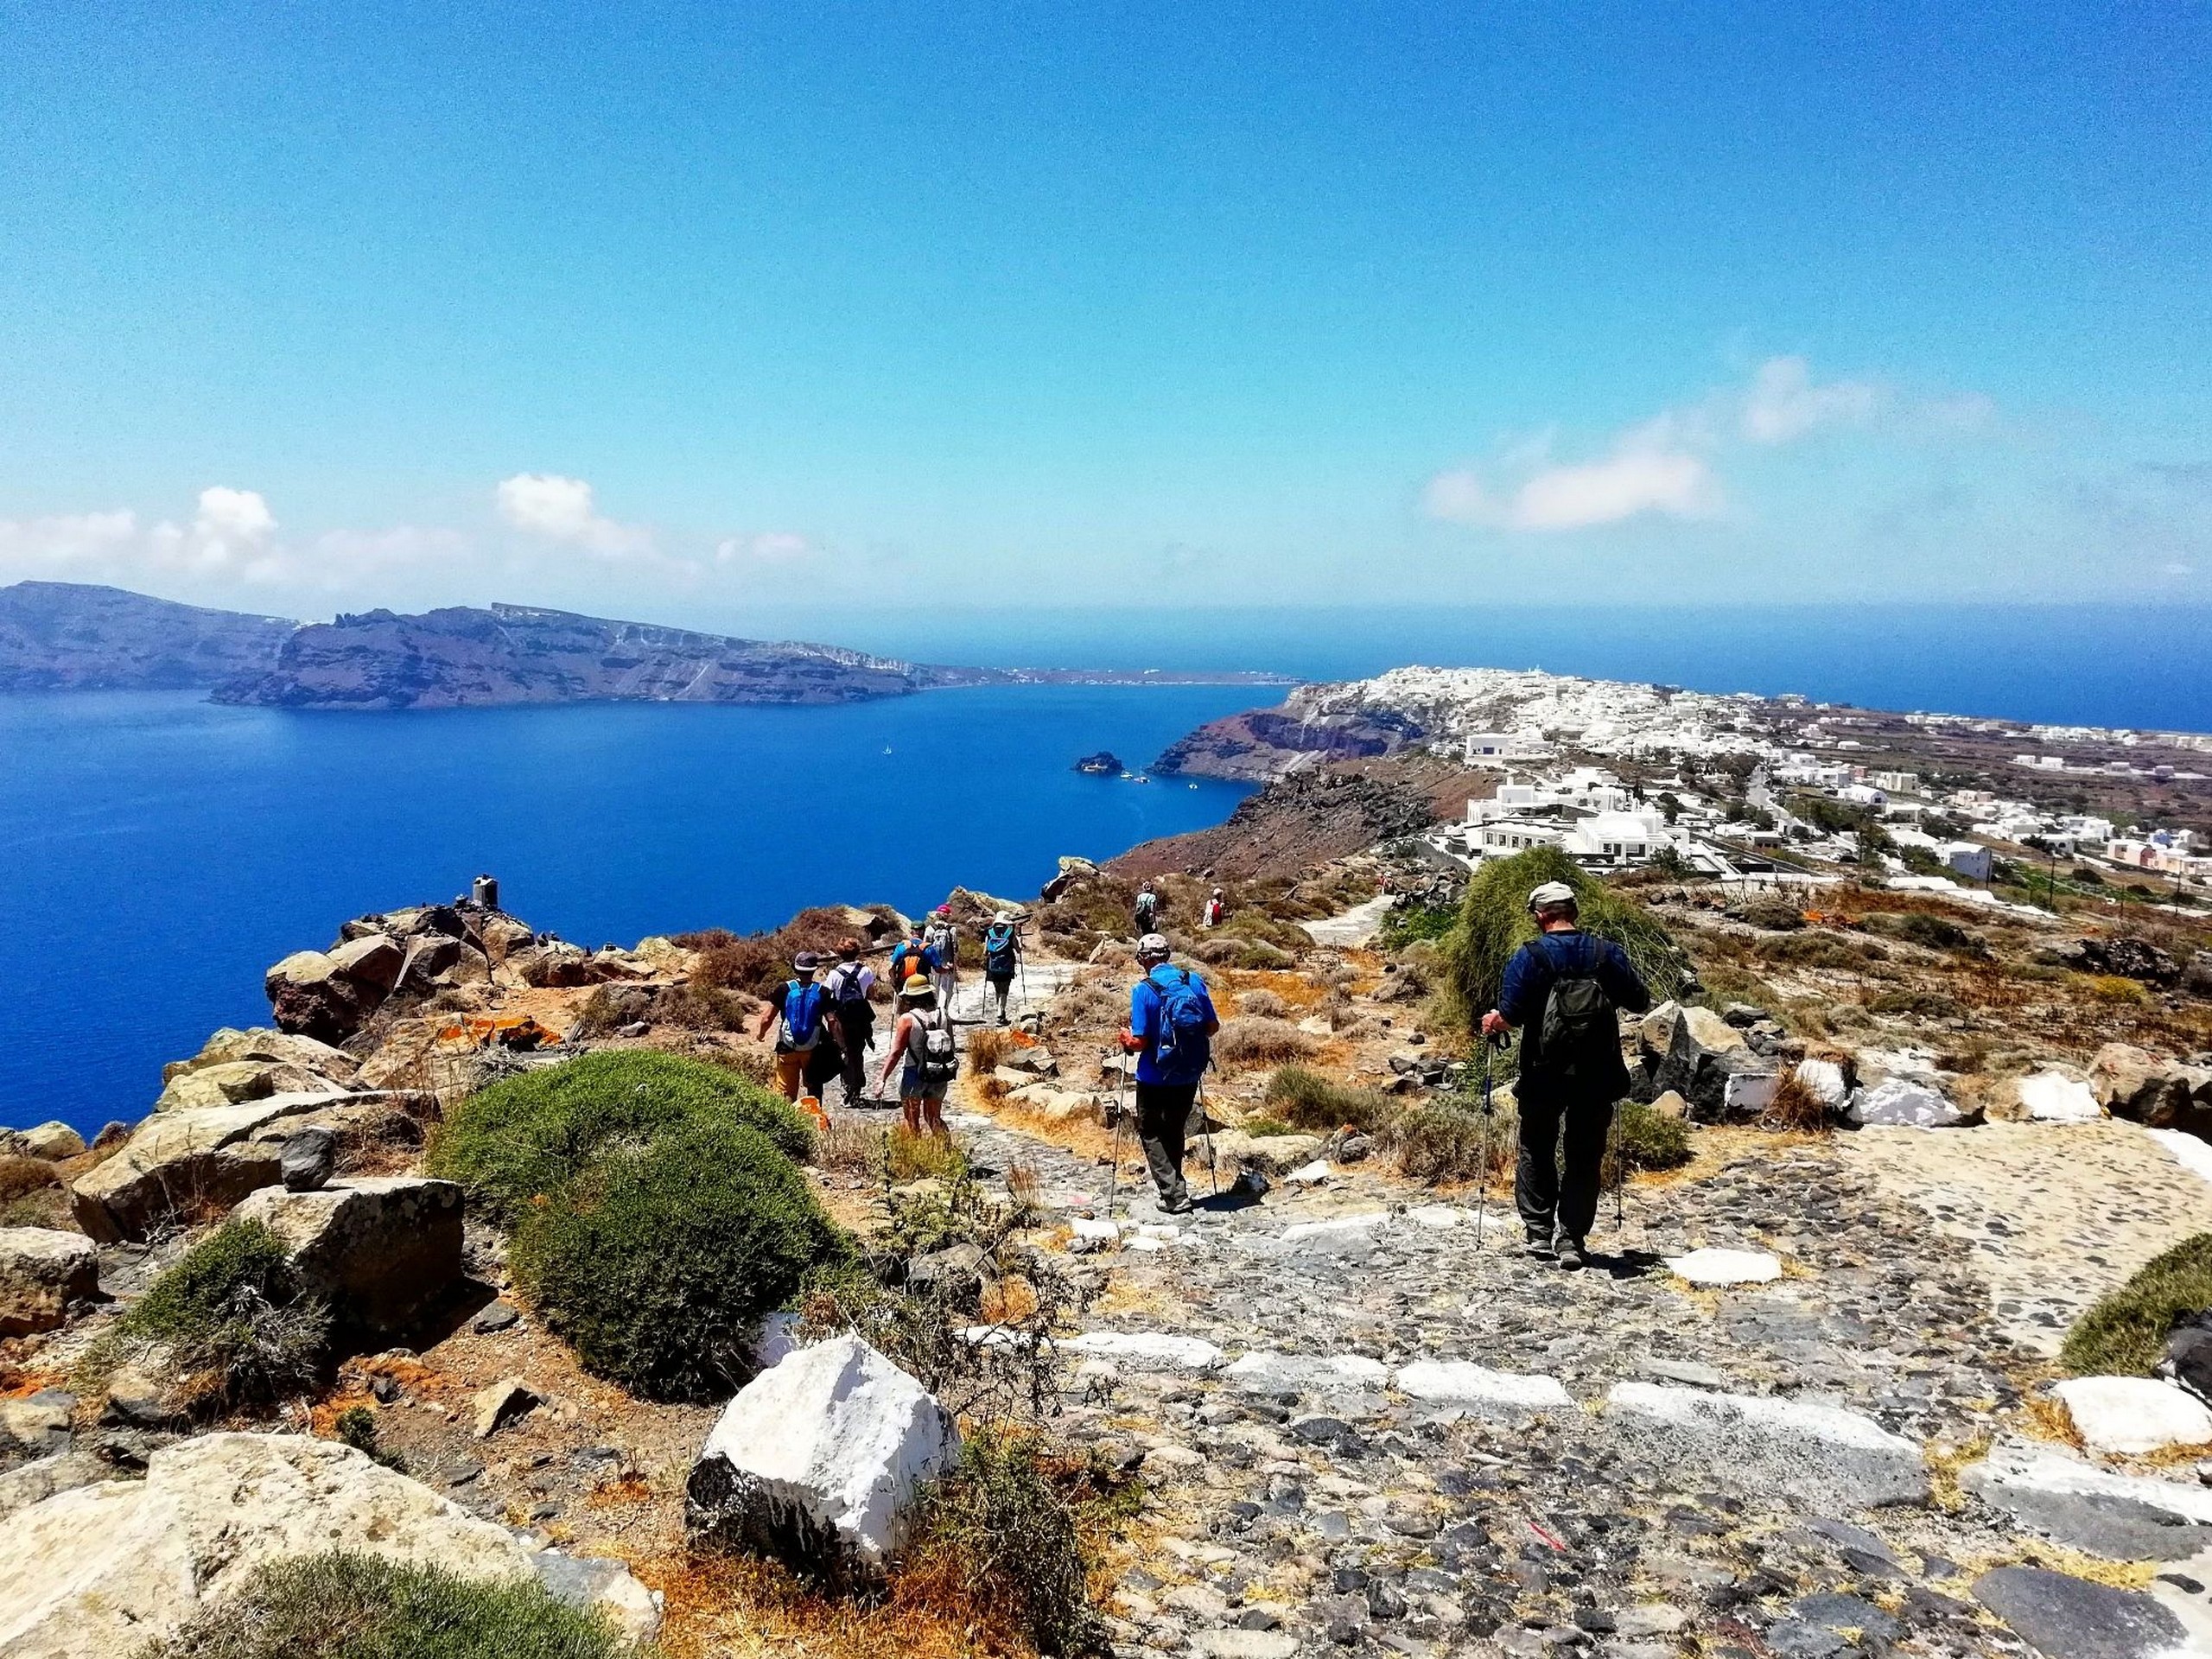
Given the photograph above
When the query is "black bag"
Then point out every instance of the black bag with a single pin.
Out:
(1580, 1037)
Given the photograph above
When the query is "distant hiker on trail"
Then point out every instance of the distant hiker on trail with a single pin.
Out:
(797, 1008)
(943, 941)
(1562, 989)
(923, 1038)
(1001, 959)
(1217, 907)
(1172, 1023)
(911, 958)
(852, 1015)
(1148, 909)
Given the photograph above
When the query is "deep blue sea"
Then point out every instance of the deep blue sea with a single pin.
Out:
(157, 853)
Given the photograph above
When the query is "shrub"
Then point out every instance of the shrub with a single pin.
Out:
(2124, 1333)
(1261, 1005)
(356, 1427)
(1257, 1041)
(1917, 1000)
(1001, 1536)
(1261, 1127)
(349, 1604)
(1405, 922)
(529, 1134)
(987, 1046)
(1644, 1139)
(1794, 1106)
(1494, 922)
(233, 1317)
(1449, 1140)
(1817, 947)
(1924, 927)
(655, 1265)
(31, 1194)
(1306, 1100)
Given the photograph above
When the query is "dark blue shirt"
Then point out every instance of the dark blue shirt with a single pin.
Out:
(1537, 965)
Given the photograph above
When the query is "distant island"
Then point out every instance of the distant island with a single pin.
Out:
(1104, 764)
(66, 636)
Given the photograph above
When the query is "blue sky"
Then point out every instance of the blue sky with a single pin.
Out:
(681, 311)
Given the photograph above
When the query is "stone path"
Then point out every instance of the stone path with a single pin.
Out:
(2054, 1215)
(1355, 927)
(1311, 1382)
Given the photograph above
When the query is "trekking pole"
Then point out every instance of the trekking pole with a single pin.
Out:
(1114, 1174)
(1620, 1169)
(1205, 1125)
(1482, 1203)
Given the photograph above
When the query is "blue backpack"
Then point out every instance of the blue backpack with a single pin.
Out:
(998, 953)
(802, 1016)
(1179, 1040)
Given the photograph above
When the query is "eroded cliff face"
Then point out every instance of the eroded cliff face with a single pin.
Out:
(464, 657)
(68, 636)
(1264, 744)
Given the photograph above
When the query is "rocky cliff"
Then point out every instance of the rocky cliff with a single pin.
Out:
(1264, 744)
(68, 636)
(463, 657)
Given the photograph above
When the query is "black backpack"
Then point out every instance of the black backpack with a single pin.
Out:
(1581, 1034)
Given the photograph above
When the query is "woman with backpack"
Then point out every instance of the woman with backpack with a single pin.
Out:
(923, 1039)
(1001, 959)
(943, 939)
(1172, 1023)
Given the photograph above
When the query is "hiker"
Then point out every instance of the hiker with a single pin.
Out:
(1001, 959)
(1170, 1027)
(923, 1038)
(796, 1009)
(943, 941)
(911, 956)
(1148, 909)
(1562, 989)
(1216, 907)
(852, 1016)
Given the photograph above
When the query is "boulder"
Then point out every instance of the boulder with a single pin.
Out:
(1271, 1154)
(2188, 1357)
(308, 996)
(102, 1570)
(2055, 1097)
(263, 1043)
(38, 1424)
(1071, 871)
(372, 960)
(1671, 1104)
(41, 1272)
(308, 1157)
(2133, 1416)
(1264, 1372)
(1820, 1455)
(507, 1401)
(52, 1141)
(60, 1471)
(2133, 1083)
(1904, 1102)
(2121, 1517)
(379, 1249)
(232, 1083)
(184, 1162)
(1704, 1052)
(2065, 1617)
(556, 962)
(1654, 1033)
(817, 1461)
(1827, 1081)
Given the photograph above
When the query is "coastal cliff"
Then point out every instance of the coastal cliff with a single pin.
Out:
(68, 636)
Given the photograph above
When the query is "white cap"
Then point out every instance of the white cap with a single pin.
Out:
(1153, 945)
(1003, 916)
(1551, 892)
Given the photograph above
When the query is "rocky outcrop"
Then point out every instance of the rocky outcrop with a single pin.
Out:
(1297, 821)
(101, 1570)
(380, 1249)
(236, 1066)
(1906, 1103)
(1697, 1055)
(1818, 1454)
(2122, 1517)
(2134, 1084)
(1265, 744)
(49, 1142)
(41, 1272)
(186, 1163)
(1104, 764)
(816, 1461)
(68, 636)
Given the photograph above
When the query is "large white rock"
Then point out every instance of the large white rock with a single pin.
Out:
(1337, 1228)
(52, 1140)
(1509, 1396)
(1716, 1267)
(378, 1249)
(1903, 1103)
(2133, 1416)
(1262, 1371)
(817, 1461)
(1147, 1349)
(97, 1572)
(2053, 1097)
(1817, 1454)
(2122, 1517)
(42, 1270)
(1825, 1080)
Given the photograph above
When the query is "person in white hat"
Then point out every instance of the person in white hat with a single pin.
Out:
(1001, 961)
(1563, 989)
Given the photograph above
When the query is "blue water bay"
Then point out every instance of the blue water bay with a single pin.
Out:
(157, 853)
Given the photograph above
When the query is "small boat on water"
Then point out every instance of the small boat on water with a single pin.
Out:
(1142, 778)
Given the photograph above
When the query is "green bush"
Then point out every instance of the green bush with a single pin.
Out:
(531, 1134)
(1926, 928)
(233, 1317)
(347, 1604)
(1494, 922)
(2124, 1333)
(1306, 1100)
(1643, 1138)
(1405, 923)
(1447, 1138)
(656, 1264)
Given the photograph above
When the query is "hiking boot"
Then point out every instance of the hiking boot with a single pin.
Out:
(1573, 1254)
(1540, 1243)
(1180, 1207)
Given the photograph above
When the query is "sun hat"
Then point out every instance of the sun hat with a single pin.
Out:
(1003, 916)
(1551, 892)
(1153, 945)
(917, 986)
(806, 959)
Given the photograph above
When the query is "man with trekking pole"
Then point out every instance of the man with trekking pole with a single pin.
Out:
(1564, 989)
(1171, 1028)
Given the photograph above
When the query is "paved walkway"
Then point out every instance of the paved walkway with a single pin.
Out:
(1355, 927)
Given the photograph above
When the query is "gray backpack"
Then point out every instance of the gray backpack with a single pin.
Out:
(938, 1059)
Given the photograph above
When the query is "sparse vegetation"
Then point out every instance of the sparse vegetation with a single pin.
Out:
(31, 1193)
(1645, 1139)
(1304, 1099)
(350, 1604)
(1405, 922)
(2124, 1333)
(1448, 1139)
(1261, 1004)
(1250, 1040)
(356, 1427)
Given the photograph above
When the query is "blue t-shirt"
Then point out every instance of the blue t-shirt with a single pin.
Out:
(1146, 1008)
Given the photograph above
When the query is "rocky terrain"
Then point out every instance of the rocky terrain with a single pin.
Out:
(1809, 1400)
(66, 636)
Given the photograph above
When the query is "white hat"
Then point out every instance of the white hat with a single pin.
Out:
(1153, 945)
(1003, 916)
(1551, 892)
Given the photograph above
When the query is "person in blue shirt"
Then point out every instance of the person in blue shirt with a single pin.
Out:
(1167, 1087)
(1555, 1187)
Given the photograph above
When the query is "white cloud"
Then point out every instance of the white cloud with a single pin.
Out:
(234, 517)
(65, 542)
(1650, 470)
(1782, 404)
(778, 547)
(560, 509)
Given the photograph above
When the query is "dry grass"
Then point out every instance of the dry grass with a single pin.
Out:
(1247, 1042)
(1796, 1110)
(988, 1046)
(1261, 1003)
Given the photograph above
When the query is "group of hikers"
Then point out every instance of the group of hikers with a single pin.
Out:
(1563, 990)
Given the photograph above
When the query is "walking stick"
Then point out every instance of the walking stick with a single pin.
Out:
(1114, 1172)
(1482, 1203)
(1206, 1123)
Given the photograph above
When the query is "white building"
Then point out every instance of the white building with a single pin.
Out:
(1968, 858)
(1862, 795)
